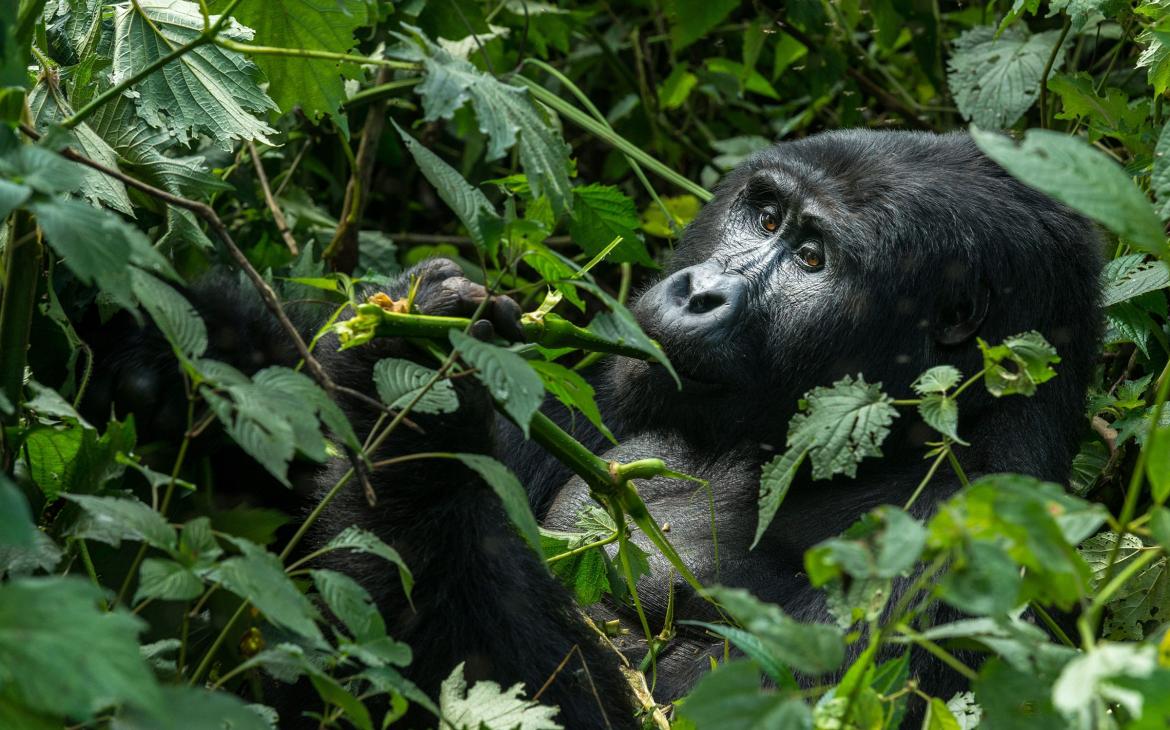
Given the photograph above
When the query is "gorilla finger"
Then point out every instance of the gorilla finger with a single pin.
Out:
(481, 329)
(506, 317)
(437, 269)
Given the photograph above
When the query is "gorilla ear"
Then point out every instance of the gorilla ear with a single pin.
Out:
(960, 313)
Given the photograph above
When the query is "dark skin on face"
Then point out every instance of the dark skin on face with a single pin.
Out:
(881, 253)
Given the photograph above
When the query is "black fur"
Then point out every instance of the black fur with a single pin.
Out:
(920, 231)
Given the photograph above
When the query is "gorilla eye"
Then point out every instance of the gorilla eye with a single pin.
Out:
(768, 221)
(811, 255)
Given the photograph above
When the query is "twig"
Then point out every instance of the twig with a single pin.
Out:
(1048, 69)
(277, 214)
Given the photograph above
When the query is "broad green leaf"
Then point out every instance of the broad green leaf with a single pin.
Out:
(586, 573)
(1034, 523)
(167, 580)
(939, 717)
(1158, 463)
(96, 245)
(1080, 11)
(1018, 365)
(296, 393)
(350, 603)
(573, 391)
(313, 85)
(942, 414)
(467, 202)
(1108, 115)
(995, 77)
(113, 519)
(364, 541)
(170, 310)
(1160, 177)
(62, 655)
(690, 20)
(1016, 700)
(813, 649)
(16, 524)
(748, 78)
(682, 209)
(842, 425)
(601, 213)
(335, 694)
(775, 480)
(1131, 276)
(258, 576)
(37, 168)
(398, 382)
(505, 114)
(937, 380)
(198, 547)
(1084, 691)
(193, 708)
(1081, 177)
(1139, 607)
(753, 649)
(487, 705)
(884, 543)
(674, 90)
(209, 90)
(618, 325)
(511, 382)
(511, 493)
(730, 698)
(264, 435)
(982, 581)
(48, 106)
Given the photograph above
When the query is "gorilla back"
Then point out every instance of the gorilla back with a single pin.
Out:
(881, 253)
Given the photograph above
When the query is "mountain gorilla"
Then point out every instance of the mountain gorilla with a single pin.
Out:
(882, 253)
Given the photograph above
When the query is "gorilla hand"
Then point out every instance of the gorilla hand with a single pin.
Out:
(444, 291)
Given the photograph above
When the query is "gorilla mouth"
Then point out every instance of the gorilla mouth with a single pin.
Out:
(691, 384)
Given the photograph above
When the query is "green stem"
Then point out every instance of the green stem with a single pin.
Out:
(938, 652)
(1044, 122)
(571, 452)
(248, 49)
(376, 93)
(206, 662)
(22, 267)
(583, 548)
(958, 468)
(925, 480)
(601, 131)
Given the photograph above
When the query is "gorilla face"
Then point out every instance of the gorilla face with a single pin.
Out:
(882, 253)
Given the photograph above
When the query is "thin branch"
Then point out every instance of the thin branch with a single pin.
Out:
(277, 214)
(1048, 69)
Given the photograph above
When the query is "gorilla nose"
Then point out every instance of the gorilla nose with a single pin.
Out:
(702, 297)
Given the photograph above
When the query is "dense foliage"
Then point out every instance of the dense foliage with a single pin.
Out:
(555, 150)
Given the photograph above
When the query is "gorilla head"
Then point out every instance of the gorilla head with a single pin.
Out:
(883, 253)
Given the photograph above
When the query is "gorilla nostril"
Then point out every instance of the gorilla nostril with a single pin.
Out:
(703, 302)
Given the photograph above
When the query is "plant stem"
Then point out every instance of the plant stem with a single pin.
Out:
(22, 268)
(248, 49)
(583, 120)
(1044, 124)
(583, 548)
(925, 480)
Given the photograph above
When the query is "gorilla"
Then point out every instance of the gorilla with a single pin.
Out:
(881, 253)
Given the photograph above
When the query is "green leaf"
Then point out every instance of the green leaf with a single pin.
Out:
(995, 77)
(601, 213)
(209, 90)
(335, 694)
(1109, 115)
(313, 85)
(1158, 463)
(364, 541)
(730, 698)
(1018, 365)
(1160, 177)
(1131, 276)
(167, 580)
(572, 390)
(486, 705)
(775, 480)
(505, 114)
(73, 228)
(350, 603)
(942, 414)
(511, 494)
(399, 381)
(468, 203)
(586, 573)
(842, 425)
(258, 577)
(16, 523)
(690, 20)
(675, 89)
(884, 543)
(1138, 607)
(191, 708)
(48, 106)
(511, 382)
(170, 310)
(113, 519)
(1081, 177)
(814, 649)
(618, 325)
(939, 717)
(682, 209)
(1016, 700)
(1085, 692)
(60, 654)
(36, 168)
(937, 380)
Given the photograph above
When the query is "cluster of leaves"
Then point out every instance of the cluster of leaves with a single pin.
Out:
(142, 139)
